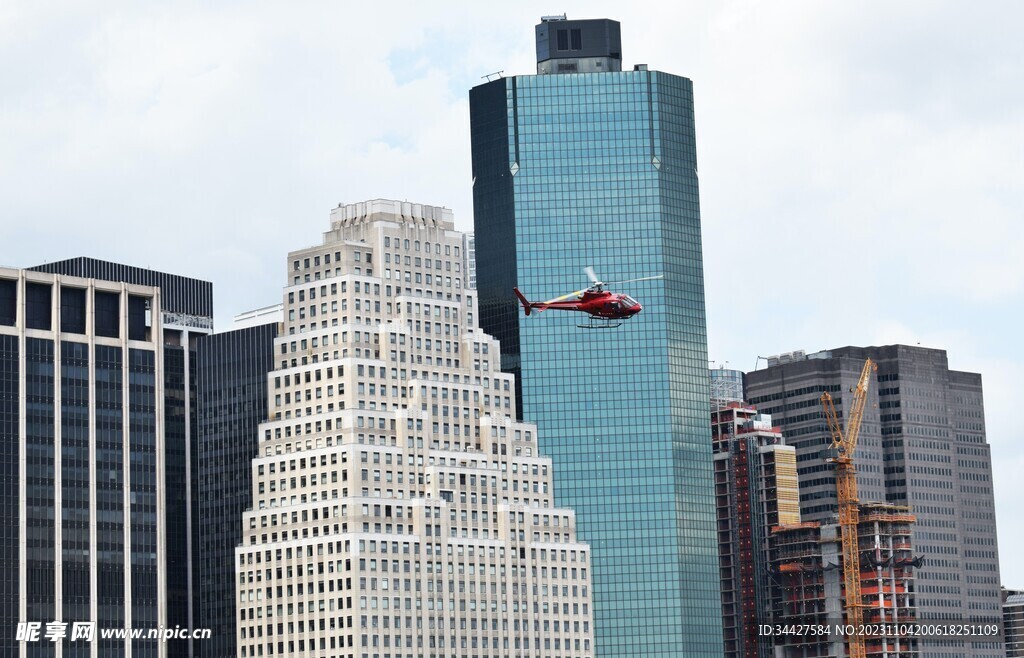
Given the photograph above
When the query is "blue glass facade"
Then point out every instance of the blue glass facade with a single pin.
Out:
(599, 169)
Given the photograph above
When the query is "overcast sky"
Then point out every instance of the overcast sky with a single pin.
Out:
(861, 164)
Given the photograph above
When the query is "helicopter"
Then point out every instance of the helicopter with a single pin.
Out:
(607, 309)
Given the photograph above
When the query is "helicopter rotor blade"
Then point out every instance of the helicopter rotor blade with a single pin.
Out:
(646, 278)
(591, 275)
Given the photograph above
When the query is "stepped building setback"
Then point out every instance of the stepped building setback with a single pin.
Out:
(399, 509)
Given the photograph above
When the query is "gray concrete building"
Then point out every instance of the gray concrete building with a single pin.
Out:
(922, 444)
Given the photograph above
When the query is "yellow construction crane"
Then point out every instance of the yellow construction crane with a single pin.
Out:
(843, 446)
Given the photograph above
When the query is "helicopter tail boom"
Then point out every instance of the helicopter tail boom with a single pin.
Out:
(525, 302)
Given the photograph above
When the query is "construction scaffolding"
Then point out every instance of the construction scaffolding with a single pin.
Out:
(807, 560)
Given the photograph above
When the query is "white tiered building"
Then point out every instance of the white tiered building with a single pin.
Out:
(399, 509)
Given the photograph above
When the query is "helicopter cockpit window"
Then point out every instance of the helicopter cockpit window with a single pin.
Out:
(628, 302)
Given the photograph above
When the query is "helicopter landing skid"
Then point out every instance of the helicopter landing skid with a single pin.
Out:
(606, 325)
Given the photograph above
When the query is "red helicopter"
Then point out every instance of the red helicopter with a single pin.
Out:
(607, 309)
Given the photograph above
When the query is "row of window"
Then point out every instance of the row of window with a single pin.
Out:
(306, 263)
(106, 310)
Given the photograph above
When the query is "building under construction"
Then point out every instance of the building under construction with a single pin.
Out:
(807, 562)
(922, 444)
(755, 489)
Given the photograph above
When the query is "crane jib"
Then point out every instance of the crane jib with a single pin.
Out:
(844, 443)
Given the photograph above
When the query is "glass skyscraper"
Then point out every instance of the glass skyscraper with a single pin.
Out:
(588, 165)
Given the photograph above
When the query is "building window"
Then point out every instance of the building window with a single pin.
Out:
(107, 314)
(72, 310)
(8, 302)
(137, 317)
(37, 306)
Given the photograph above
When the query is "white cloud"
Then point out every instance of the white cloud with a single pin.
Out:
(860, 164)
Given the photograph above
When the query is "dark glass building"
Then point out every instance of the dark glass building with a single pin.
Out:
(232, 401)
(588, 165)
(179, 294)
(100, 370)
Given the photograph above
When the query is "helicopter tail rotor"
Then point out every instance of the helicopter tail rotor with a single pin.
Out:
(522, 300)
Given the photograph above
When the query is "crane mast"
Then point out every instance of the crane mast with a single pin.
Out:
(843, 446)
